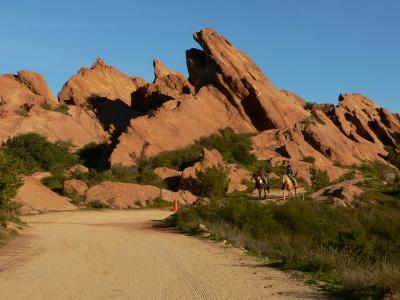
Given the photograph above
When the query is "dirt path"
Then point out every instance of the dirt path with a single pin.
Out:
(118, 255)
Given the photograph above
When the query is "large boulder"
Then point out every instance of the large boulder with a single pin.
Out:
(242, 82)
(76, 186)
(341, 194)
(131, 195)
(165, 173)
(100, 80)
(35, 197)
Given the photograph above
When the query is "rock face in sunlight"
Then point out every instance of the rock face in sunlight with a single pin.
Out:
(241, 81)
(24, 90)
(225, 88)
(101, 80)
(35, 198)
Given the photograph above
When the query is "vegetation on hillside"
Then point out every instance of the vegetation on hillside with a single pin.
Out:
(353, 249)
(234, 147)
(35, 153)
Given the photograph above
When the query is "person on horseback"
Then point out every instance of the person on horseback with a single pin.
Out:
(263, 174)
(290, 174)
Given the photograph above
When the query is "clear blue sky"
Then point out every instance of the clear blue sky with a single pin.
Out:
(316, 48)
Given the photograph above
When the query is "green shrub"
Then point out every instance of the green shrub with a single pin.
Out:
(158, 203)
(376, 170)
(309, 159)
(93, 177)
(22, 112)
(75, 197)
(55, 182)
(393, 156)
(211, 182)
(121, 173)
(46, 106)
(62, 108)
(308, 106)
(353, 247)
(319, 178)
(234, 147)
(97, 204)
(36, 153)
(9, 182)
(346, 176)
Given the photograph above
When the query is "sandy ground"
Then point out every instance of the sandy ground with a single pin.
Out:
(119, 255)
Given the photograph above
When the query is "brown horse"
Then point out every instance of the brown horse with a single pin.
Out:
(260, 185)
(288, 186)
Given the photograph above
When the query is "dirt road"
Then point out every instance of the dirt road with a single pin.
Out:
(118, 255)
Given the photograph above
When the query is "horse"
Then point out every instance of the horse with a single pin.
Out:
(287, 185)
(260, 185)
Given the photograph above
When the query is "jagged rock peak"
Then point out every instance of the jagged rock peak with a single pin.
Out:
(102, 80)
(238, 77)
(356, 101)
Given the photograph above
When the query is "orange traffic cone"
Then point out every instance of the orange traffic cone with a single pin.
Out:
(175, 207)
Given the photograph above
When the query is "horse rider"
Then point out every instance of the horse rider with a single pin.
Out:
(263, 174)
(290, 174)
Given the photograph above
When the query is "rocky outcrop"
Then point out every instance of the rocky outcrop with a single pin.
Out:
(289, 146)
(75, 186)
(242, 82)
(79, 126)
(361, 120)
(27, 88)
(131, 195)
(164, 172)
(341, 194)
(101, 80)
(35, 197)
(167, 85)
(177, 124)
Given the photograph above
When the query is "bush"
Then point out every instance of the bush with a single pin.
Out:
(9, 182)
(35, 153)
(354, 247)
(308, 106)
(62, 108)
(234, 147)
(46, 106)
(121, 173)
(97, 204)
(55, 182)
(393, 156)
(309, 159)
(319, 178)
(211, 182)
(23, 112)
